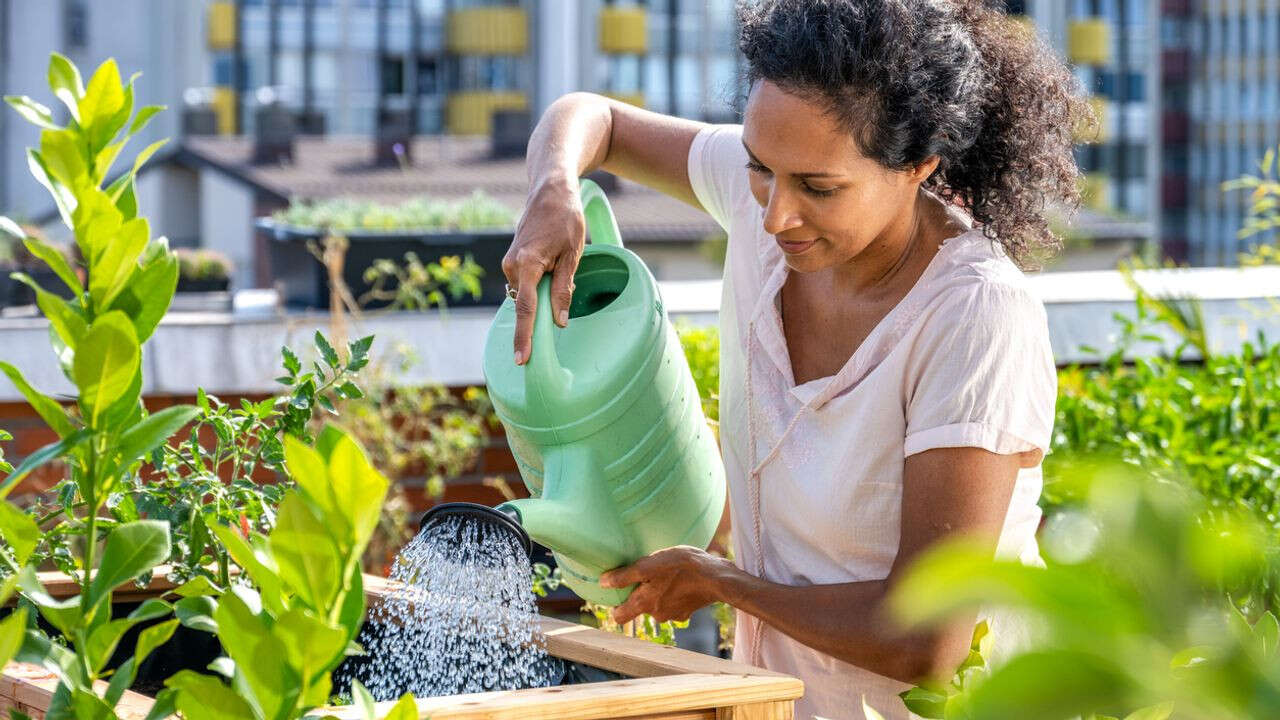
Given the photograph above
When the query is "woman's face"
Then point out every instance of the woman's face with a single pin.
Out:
(824, 201)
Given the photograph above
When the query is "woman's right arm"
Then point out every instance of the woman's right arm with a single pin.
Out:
(579, 133)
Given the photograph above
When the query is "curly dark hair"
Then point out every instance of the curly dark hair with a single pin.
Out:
(958, 79)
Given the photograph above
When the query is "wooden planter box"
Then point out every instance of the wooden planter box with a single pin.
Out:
(666, 682)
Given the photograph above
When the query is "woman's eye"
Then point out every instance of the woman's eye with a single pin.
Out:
(756, 167)
(819, 193)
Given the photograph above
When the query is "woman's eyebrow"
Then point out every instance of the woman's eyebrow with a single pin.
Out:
(799, 175)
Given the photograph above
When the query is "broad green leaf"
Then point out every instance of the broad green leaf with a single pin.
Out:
(305, 552)
(63, 158)
(41, 457)
(63, 197)
(1049, 684)
(19, 531)
(351, 614)
(197, 613)
(8, 587)
(127, 199)
(276, 685)
(145, 298)
(56, 261)
(154, 431)
(88, 706)
(204, 697)
(103, 98)
(144, 116)
(9, 227)
(13, 631)
(64, 615)
(363, 699)
(121, 680)
(925, 702)
(359, 490)
(165, 705)
(64, 80)
(314, 646)
(65, 320)
(1153, 712)
(199, 586)
(32, 111)
(103, 641)
(97, 224)
(145, 155)
(118, 261)
(240, 626)
(307, 469)
(1267, 630)
(265, 577)
(46, 407)
(106, 363)
(407, 709)
(130, 549)
(125, 412)
(153, 637)
(151, 609)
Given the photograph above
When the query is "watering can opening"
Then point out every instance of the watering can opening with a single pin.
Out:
(503, 518)
(601, 278)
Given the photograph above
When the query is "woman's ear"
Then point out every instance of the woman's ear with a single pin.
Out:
(921, 172)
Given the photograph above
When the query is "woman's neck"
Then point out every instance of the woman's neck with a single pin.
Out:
(897, 255)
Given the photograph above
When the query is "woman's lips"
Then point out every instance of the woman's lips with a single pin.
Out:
(794, 248)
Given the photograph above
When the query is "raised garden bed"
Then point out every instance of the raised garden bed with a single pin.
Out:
(660, 682)
(304, 282)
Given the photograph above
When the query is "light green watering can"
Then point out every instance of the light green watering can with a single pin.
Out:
(604, 419)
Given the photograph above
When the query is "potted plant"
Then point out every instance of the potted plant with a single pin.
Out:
(203, 270)
(478, 228)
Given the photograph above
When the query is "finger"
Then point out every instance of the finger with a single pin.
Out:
(634, 606)
(624, 576)
(562, 286)
(526, 308)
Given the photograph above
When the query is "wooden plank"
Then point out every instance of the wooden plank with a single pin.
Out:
(758, 711)
(30, 688)
(642, 697)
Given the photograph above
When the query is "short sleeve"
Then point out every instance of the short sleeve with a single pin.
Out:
(981, 373)
(717, 170)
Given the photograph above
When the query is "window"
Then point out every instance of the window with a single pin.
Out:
(392, 76)
(76, 19)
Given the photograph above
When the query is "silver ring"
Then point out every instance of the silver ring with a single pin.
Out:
(512, 292)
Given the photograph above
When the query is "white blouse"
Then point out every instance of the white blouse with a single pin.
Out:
(815, 470)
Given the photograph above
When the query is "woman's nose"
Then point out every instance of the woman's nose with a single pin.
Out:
(779, 214)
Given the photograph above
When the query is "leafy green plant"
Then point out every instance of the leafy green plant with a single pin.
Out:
(202, 264)
(346, 215)
(1264, 196)
(413, 285)
(285, 633)
(1131, 610)
(97, 337)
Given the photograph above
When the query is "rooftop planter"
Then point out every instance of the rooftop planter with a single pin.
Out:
(478, 227)
(657, 681)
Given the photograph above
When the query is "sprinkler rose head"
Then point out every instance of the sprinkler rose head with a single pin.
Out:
(504, 518)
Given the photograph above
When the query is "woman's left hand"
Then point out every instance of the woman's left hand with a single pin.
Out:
(670, 583)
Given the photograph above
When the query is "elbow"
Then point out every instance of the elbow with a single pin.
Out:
(931, 658)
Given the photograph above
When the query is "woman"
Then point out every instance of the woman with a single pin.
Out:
(886, 375)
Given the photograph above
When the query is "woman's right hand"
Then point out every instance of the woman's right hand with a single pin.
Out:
(549, 238)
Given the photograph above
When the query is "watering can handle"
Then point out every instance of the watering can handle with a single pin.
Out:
(602, 228)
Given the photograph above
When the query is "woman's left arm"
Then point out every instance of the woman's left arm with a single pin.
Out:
(946, 492)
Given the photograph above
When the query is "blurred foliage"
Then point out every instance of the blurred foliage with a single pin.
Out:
(415, 285)
(702, 349)
(643, 626)
(202, 264)
(1133, 610)
(349, 215)
(1264, 197)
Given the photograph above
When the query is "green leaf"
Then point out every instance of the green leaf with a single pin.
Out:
(56, 261)
(65, 82)
(326, 351)
(19, 531)
(359, 490)
(304, 549)
(925, 702)
(147, 295)
(406, 709)
(118, 261)
(32, 111)
(291, 363)
(106, 363)
(130, 549)
(314, 647)
(121, 680)
(103, 98)
(64, 615)
(88, 706)
(1048, 684)
(13, 630)
(144, 116)
(63, 198)
(165, 705)
(63, 157)
(307, 469)
(9, 227)
(1153, 712)
(154, 431)
(363, 699)
(46, 407)
(41, 457)
(103, 641)
(197, 613)
(153, 637)
(1267, 630)
(151, 609)
(266, 578)
(63, 317)
(198, 586)
(204, 697)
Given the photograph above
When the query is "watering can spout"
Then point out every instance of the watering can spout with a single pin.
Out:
(574, 517)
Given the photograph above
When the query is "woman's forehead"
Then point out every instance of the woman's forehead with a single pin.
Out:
(778, 126)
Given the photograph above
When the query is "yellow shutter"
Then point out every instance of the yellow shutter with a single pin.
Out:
(488, 31)
(1089, 42)
(470, 112)
(624, 30)
(224, 107)
(221, 30)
